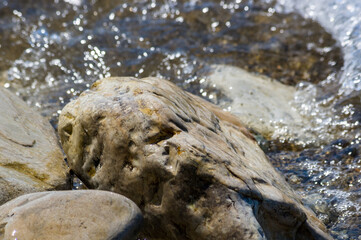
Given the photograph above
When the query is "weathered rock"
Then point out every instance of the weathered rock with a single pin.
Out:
(83, 214)
(30, 157)
(261, 103)
(194, 170)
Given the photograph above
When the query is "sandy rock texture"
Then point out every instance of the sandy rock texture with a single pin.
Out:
(30, 157)
(3, 77)
(83, 214)
(194, 171)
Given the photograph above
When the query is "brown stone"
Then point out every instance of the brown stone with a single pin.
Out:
(83, 214)
(30, 156)
(195, 172)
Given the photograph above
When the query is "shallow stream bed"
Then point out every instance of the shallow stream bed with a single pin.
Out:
(51, 51)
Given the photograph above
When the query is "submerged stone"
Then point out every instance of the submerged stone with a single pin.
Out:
(261, 103)
(30, 157)
(83, 214)
(193, 169)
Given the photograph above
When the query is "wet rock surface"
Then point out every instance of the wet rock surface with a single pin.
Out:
(30, 157)
(195, 172)
(83, 214)
(261, 103)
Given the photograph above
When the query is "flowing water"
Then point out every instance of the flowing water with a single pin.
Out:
(52, 50)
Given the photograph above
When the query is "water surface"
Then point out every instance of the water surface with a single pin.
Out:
(52, 50)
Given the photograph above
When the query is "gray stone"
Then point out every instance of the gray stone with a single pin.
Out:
(261, 103)
(30, 157)
(193, 169)
(83, 214)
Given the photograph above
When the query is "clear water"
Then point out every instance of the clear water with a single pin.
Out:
(342, 18)
(51, 50)
(334, 169)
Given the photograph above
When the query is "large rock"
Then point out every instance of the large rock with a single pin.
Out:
(261, 103)
(30, 157)
(83, 214)
(193, 169)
